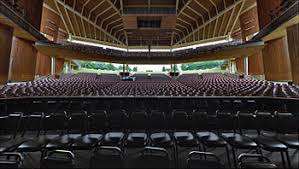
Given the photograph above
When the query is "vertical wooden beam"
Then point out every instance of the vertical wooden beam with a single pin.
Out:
(23, 54)
(249, 25)
(277, 61)
(23, 60)
(50, 26)
(6, 34)
(293, 41)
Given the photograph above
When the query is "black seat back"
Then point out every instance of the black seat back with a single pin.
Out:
(98, 121)
(10, 160)
(118, 119)
(195, 160)
(58, 159)
(138, 120)
(159, 118)
(153, 157)
(180, 120)
(106, 157)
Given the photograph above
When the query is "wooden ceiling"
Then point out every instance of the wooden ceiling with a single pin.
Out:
(195, 20)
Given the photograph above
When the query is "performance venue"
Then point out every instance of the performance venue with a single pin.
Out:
(149, 83)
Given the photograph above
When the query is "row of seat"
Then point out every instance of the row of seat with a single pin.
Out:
(157, 85)
(202, 130)
(148, 157)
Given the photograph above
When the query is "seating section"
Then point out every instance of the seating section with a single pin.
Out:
(88, 84)
(111, 130)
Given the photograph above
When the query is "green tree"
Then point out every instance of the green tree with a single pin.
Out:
(135, 69)
(163, 69)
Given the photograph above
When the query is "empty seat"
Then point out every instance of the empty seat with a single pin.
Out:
(195, 160)
(58, 159)
(259, 161)
(153, 157)
(11, 160)
(106, 157)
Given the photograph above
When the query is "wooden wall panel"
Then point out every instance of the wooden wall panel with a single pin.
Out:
(33, 11)
(264, 10)
(50, 26)
(249, 24)
(276, 60)
(23, 60)
(6, 34)
(59, 65)
(293, 43)
(256, 64)
(240, 65)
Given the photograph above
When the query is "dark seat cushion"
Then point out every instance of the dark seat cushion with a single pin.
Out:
(270, 144)
(161, 139)
(239, 141)
(112, 138)
(87, 141)
(257, 165)
(291, 141)
(204, 164)
(185, 139)
(36, 143)
(211, 139)
(62, 142)
(136, 140)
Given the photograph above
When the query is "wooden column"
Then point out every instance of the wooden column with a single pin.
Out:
(275, 54)
(276, 60)
(50, 26)
(59, 63)
(240, 65)
(249, 24)
(23, 54)
(293, 43)
(6, 34)
(23, 60)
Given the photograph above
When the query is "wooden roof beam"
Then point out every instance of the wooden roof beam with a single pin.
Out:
(94, 8)
(62, 18)
(201, 5)
(212, 19)
(88, 21)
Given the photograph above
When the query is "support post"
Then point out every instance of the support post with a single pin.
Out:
(53, 66)
(246, 68)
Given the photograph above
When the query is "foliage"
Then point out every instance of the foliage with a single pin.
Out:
(202, 65)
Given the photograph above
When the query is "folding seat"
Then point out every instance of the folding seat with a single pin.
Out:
(287, 132)
(266, 122)
(11, 160)
(55, 130)
(77, 121)
(233, 138)
(205, 135)
(10, 125)
(183, 136)
(195, 160)
(153, 157)
(158, 135)
(118, 122)
(107, 157)
(58, 159)
(245, 161)
(34, 142)
(137, 137)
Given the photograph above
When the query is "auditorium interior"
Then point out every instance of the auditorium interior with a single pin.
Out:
(244, 116)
